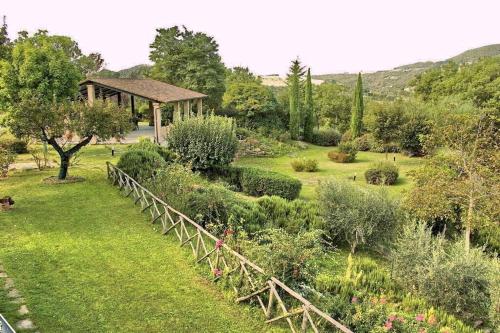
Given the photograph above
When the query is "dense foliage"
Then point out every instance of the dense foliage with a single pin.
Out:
(332, 105)
(190, 60)
(308, 117)
(294, 81)
(325, 137)
(140, 164)
(357, 109)
(203, 142)
(382, 173)
(6, 159)
(147, 144)
(302, 164)
(346, 153)
(357, 216)
(258, 182)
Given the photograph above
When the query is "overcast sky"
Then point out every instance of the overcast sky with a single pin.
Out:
(330, 36)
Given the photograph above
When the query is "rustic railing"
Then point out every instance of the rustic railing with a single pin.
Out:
(249, 281)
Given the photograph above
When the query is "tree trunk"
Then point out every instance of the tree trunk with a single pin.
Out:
(63, 169)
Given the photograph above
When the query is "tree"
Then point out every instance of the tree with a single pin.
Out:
(385, 121)
(90, 64)
(190, 60)
(294, 92)
(462, 182)
(332, 105)
(42, 66)
(357, 110)
(412, 132)
(5, 44)
(241, 75)
(58, 123)
(308, 109)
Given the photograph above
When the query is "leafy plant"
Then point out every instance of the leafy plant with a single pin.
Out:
(258, 182)
(147, 144)
(382, 173)
(203, 143)
(6, 159)
(325, 137)
(309, 165)
(346, 153)
(140, 164)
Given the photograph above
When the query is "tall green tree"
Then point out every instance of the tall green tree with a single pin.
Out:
(190, 60)
(332, 105)
(358, 109)
(308, 109)
(5, 44)
(294, 81)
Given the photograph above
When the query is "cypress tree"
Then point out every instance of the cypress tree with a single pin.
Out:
(308, 109)
(294, 78)
(5, 44)
(357, 110)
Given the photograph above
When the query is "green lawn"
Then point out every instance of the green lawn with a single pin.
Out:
(86, 260)
(329, 169)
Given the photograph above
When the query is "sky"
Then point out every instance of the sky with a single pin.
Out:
(265, 35)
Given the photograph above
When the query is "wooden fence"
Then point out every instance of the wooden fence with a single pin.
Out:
(249, 281)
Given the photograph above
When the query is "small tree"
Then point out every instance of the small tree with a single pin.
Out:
(308, 109)
(57, 123)
(386, 121)
(358, 109)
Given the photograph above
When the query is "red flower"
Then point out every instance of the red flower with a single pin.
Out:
(420, 317)
(219, 243)
(388, 325)
(228, 232)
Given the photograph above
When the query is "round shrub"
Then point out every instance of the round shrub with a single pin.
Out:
(146, 144)
(16, 146)
(363, 143)
(382, 173)
(325, 137)
(203, 142)
(258, 182)
(297, 165)
(140, 164)
(346, 153)
(309, 165)
(6, 159)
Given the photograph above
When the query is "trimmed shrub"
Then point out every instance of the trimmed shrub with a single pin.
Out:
(146, 144)
(140, 164)
(346, 153)
(325, 137)
(303, 164)
(382, 173)
(357, 216)
(16, 146)
(202, 142)
(258, 182)
(292, 216)
(6, 159)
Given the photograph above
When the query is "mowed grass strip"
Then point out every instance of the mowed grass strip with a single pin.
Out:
(332, 170)
(86, 260)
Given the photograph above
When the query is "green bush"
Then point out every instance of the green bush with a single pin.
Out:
(378, 147)
(382, 173)
(146, 144)
(357, 216)
(6, 159)
(346, 153)
(292, 216)
(309, 165)
(363, 143)
(16, 146)
(140, 164)
(325, 137)
(258, 182)
(462, 282)
(203, 142)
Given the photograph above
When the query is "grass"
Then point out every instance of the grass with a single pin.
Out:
(329, 169)
(86, 260)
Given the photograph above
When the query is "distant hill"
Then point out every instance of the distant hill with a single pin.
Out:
(394, 81)
(136, 72)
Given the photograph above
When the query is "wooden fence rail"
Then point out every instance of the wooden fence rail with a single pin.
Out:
(250, 283)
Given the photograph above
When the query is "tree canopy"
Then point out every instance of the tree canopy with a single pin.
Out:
(332, 104)
(190, 60)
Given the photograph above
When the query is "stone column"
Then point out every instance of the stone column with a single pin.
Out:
(177, 112)
(151, 114)
(187, 109)
(157, 121)
(90, 94)
(199, 105)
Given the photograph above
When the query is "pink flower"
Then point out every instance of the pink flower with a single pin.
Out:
(422, 330)
(354, 299)
(217, 272)
(219, 243)
(228, 232)
(392, 318)
(420, 317)
(388, 325)
(383, 300)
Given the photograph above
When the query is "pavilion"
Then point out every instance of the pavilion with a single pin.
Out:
(156, 92)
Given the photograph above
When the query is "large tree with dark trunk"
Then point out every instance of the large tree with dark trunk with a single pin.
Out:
(36, 87)
(67, 126)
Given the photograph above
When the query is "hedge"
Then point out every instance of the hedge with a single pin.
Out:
(325, 137)
(258, 182)
(16, 146)
(140, 164)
